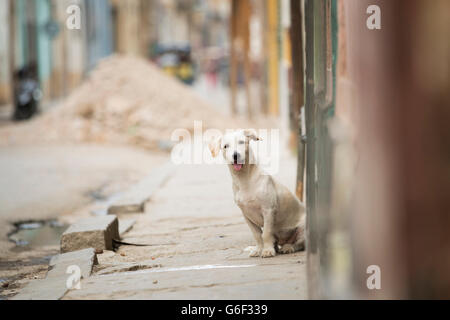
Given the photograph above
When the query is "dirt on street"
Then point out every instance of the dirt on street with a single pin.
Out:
(57, 182)
(124, 101)
(106, 136)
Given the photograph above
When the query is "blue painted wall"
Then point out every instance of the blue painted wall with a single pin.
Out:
(44, 43)
(99, 30)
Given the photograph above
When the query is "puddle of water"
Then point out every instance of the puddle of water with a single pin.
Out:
(37, 233)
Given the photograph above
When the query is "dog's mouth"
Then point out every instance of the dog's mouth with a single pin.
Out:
(237, 166)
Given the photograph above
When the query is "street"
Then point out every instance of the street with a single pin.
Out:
(198, 234)
(43, 182)
(116, 116)
(199, 238)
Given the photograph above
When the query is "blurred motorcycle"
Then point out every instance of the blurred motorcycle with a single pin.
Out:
(27, 93)
(176, 61)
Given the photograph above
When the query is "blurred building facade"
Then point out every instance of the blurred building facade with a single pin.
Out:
(4, 34)
(34, 31)
(377, 175)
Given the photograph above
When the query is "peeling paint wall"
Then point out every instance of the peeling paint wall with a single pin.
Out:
(4, 50)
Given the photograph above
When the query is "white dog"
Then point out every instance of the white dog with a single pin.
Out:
(275, 216)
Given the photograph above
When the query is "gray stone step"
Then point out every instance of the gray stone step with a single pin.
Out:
(133, 201)
(92, 232)
(125, 225)
(55, 285)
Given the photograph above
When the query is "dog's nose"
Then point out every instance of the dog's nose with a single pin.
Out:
(236, 156)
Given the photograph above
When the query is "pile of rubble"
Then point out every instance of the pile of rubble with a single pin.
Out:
(125, 100)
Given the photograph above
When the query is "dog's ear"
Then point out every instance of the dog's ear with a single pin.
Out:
(214, 146)
(252, 135)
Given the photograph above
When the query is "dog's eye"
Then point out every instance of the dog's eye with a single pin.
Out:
(226, 146)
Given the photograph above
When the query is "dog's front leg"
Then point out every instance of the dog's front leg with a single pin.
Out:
(267, 235)
(255, 252)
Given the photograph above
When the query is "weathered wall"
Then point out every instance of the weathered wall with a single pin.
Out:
(392, 98)
(68, 50)
(43, 44)
(4, 49)
(132, 26)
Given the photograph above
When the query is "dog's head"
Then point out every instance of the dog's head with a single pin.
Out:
(235, 147)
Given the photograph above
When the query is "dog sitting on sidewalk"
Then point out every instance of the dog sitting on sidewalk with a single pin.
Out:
(275, 216)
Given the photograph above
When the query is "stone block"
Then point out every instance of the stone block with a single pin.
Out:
(93, 232)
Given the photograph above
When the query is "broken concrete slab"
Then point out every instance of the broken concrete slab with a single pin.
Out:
(43, 290)
(125, 225)
(93, 232)
(54, 286)
(84, 258)
(133, 201)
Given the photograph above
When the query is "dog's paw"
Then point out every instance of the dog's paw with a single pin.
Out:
(287, 248)
(253, 251)
(268, 253)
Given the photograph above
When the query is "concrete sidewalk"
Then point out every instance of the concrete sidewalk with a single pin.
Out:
(198, 236)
